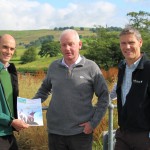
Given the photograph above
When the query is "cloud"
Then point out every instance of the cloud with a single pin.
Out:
(30, 14)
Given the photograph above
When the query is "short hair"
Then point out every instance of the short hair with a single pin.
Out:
(74, 32)
(131, 30)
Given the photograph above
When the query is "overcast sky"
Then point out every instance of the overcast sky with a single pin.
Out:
(47, 14)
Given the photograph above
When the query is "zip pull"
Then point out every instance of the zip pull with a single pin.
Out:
(69, 72)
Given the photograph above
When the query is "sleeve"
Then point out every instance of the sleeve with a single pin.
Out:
(5, 119)
(102, 93)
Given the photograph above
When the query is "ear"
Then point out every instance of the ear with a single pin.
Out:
(80, 44)
(140, 42)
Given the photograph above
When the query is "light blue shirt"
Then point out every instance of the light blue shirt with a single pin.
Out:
(127, 80)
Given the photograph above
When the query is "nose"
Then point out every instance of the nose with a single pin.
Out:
(67, 47)
(8, 50)
(128, 45)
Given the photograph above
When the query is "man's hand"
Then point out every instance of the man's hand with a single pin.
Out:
(87, 127)
(19, 124)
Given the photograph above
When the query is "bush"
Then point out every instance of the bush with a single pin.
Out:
(29, 55)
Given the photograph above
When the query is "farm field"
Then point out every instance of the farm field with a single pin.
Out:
(26, 36)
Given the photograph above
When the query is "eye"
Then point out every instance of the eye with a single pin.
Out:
(71, 44)
(63, 45)
(7, 47)
(123, 43)
(131, 43)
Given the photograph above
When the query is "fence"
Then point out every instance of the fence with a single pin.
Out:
(109, 136)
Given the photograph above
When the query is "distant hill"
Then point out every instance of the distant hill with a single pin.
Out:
(27, 36)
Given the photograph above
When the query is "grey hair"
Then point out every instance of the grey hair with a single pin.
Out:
(74, 32)
(131, 30)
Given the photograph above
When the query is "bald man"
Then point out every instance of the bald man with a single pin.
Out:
(8, 95)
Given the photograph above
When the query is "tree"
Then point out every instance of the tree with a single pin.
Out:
(29, 55)
(139, 20)
(81, 28)
(106, 53)
(50, 49)
(146, 43)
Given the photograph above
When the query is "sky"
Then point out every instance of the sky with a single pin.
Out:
(48, 14)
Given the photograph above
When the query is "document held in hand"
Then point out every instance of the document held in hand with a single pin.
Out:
(30, 111)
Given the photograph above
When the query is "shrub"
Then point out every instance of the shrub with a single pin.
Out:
(29, 55)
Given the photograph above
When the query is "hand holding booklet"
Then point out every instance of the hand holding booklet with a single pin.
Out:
(30, 111)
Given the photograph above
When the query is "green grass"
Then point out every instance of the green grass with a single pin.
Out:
(39, 64)
(26, 36)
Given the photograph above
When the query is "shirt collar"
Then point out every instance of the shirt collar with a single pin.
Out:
(72, 65)
(134, 65)
(3, 66)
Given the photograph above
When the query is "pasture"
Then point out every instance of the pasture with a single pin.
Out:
(27, 36)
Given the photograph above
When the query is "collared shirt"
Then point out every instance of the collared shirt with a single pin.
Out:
(72, 65)
(5, 67)
(127, 80)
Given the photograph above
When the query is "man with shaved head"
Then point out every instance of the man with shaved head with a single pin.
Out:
(8, 95)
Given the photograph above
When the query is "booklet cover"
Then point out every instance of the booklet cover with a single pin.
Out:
(30, 111)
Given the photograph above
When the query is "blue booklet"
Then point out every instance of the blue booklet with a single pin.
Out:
(30, 111)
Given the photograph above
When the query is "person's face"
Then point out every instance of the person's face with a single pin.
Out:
(130, 47)
(7, 49)
(70, 47)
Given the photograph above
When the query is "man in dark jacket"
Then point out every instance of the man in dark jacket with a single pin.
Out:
(8, 95)
(133, 94)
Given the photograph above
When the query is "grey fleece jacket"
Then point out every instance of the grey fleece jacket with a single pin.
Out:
(72, 93)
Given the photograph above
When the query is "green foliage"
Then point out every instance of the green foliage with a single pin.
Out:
(106, 53)
(29, 55)
(40, 40)
(50, 49)
(146, 42)
(139, 20)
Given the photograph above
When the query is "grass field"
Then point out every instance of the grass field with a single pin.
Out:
(39, 64)
(26, 36)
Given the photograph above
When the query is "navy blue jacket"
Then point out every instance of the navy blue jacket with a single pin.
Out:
(135, 114)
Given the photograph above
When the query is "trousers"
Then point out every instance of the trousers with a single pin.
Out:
(8, 142)
(126, 140)
(74, 142)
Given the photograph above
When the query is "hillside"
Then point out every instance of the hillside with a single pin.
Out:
(27, 36)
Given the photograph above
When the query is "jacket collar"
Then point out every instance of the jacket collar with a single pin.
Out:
(144, 58)
(80, 64)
